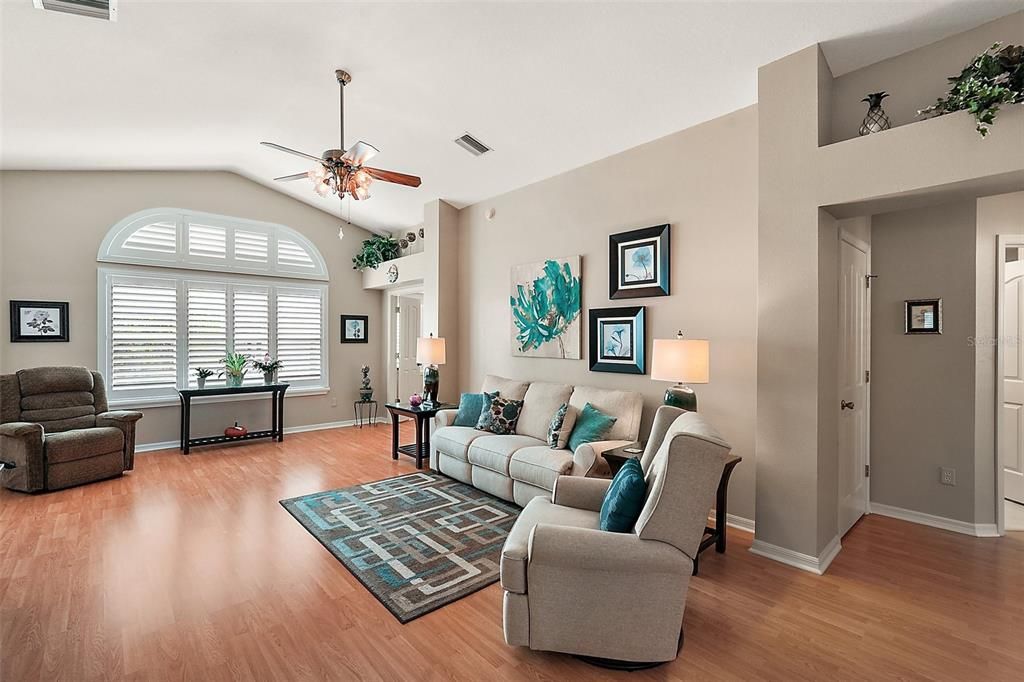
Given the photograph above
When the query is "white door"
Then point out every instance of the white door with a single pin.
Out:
(410, 379)
(854, 313)
(1011, 440)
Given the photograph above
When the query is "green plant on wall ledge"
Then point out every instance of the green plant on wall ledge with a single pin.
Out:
(993, 78)
(378, 249)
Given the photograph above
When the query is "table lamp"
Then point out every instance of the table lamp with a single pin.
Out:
(430, 353)
(682, 361)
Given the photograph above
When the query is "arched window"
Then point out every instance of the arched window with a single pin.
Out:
(190, 287)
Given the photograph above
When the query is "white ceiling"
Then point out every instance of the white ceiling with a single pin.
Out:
(177, 85)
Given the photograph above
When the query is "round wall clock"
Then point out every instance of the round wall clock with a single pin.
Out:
(392, 274)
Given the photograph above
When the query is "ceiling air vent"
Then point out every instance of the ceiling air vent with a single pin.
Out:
(472, 145)
(98, 9)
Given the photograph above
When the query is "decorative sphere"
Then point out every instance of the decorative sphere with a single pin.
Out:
(415, 400)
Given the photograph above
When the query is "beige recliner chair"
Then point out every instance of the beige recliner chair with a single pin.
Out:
(618, 597)
(56, 430)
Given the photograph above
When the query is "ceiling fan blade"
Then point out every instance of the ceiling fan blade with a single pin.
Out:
(392, 176)
(360, 153)
(294, 176)
(292, 151)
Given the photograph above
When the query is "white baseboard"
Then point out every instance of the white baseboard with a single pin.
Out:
(173, 444)
(739, 523)
(978, 530)
(805, 562)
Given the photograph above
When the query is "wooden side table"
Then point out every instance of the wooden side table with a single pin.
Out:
(616, 457)
(420, 415)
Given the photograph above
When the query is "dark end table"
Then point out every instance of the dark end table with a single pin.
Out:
(421, 448)
(616, 457)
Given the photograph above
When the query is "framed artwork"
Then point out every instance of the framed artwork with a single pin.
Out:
(922, 316)
(639, 263)
(618, 339)
(353, 328)
(39, 321)
(545, 302)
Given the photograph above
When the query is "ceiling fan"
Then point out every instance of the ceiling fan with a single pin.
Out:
(341, 171)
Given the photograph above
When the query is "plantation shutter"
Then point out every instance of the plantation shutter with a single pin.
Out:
(300, 334)
(143, 333)
(207, 329)
(251, 324)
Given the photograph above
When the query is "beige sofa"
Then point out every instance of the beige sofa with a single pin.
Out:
(573, 588)
(522, 466)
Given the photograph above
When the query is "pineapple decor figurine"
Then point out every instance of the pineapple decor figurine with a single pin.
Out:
(876, 119)
(365, 391)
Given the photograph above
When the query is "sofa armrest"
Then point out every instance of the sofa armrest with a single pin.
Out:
(124, 420)
(444, 418)
(587, 460)
(580, 493)
(584, 550)
(21, 443)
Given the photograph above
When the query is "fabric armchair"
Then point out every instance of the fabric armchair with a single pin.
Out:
(56, 428)
(573, 588)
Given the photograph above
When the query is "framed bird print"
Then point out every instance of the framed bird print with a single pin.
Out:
(639, 263)
(618, 339)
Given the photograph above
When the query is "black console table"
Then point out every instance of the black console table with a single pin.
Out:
(276, 430)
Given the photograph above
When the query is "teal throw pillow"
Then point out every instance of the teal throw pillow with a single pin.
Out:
(471, 405)
(591, 425)
(483, 419)
(625, 498)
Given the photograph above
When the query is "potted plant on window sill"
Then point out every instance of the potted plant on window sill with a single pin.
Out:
(269, 368)
(202, 374)
(234, 369)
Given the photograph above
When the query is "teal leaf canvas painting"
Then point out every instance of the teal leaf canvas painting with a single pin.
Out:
(545, 302)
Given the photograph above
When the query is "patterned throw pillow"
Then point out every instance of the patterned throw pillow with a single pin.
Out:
(561, 426)
(501, 419)
(483, 418)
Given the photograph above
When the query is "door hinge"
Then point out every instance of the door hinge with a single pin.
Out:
(867, 471)
(398, 356)
(398, 308)
(867, 280)
(867, 376)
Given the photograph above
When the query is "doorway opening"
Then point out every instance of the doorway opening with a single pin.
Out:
(405, 327)
(1010, 385)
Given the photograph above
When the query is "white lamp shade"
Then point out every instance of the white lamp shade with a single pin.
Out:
(682, 360)
(430, 350)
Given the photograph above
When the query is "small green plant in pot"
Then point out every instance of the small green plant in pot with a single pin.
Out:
(235, 365)
(202, 374)
(380, 248)
(269, 368)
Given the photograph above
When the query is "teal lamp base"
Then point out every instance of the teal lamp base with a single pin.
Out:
(682, 397)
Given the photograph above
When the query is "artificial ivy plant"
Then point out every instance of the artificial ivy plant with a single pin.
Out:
(993, 78)
(379, 248)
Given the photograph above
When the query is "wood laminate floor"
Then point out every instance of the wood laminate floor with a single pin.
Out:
(188, 568)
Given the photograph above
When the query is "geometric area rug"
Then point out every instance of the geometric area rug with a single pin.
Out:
(417, 542)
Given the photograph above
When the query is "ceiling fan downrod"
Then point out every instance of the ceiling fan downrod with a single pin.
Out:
(343, 79)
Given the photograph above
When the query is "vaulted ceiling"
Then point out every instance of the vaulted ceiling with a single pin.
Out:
(196, 85)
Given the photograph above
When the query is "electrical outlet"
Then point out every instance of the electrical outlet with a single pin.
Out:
(947, 476)
(334, 402)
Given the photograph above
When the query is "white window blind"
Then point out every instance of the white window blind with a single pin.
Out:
(158, 237)
(291, 255)
(143, 334)
(162, 328)
(207, 241)
(207, 329)
(252, 247)
(300, 334)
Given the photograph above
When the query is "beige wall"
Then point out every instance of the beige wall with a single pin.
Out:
(53, 223)
(702, 181)
(914, 80)
(922, 386)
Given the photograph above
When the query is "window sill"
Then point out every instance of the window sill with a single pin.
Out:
(139, 403)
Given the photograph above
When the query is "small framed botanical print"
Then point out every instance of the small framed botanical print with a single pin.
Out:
(638, 263)
(39, 321)
(617, 340)
(923, 316)
(353, 329)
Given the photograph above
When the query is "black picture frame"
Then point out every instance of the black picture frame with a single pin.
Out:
(618, 353)
(347, 335)
(922, 316)
(58, 312)
(624, 281)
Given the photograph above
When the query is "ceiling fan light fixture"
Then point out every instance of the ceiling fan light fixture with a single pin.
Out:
(359, 193)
